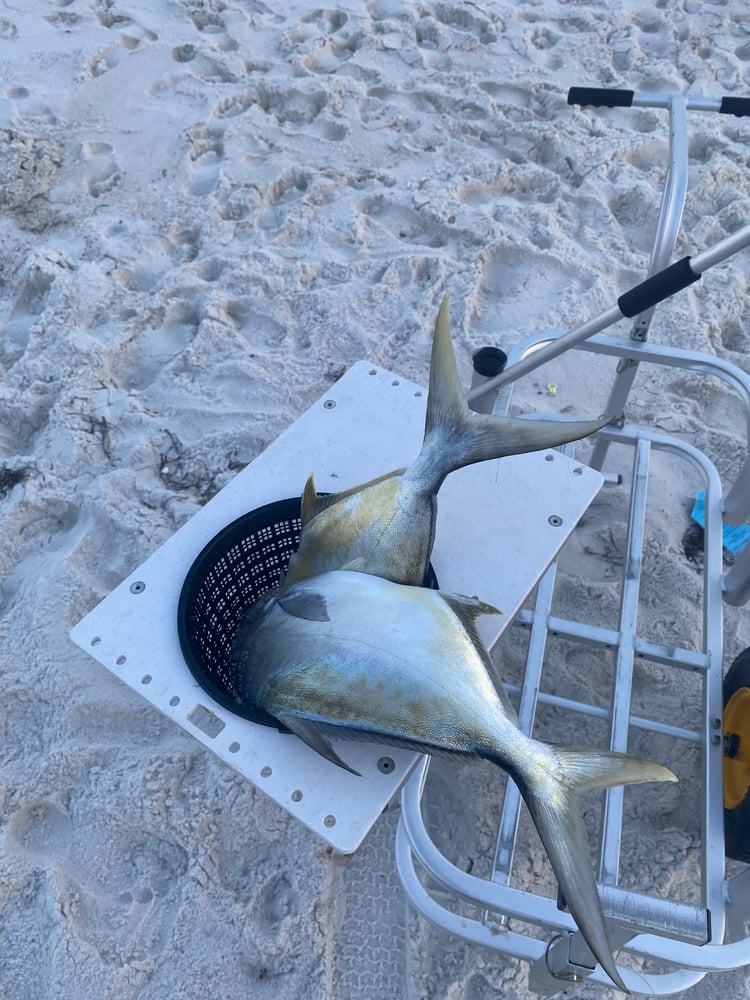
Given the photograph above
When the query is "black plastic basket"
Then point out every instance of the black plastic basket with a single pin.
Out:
(237, 567)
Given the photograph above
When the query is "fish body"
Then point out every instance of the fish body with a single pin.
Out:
(353, 656)
(387, 526)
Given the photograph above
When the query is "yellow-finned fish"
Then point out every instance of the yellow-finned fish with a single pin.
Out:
(353, 656)
(387, 526)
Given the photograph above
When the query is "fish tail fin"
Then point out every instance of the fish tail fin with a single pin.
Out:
(456, 436)
(552, 793)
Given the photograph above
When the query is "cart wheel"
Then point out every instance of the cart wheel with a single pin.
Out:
(737, 758)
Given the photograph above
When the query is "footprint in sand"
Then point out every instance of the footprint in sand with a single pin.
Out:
(230, 107)
(735, 337)
(200, 65)
(105, 13)
(27, 111)
(541, 41)
(206, 158)
(236, 202)
(182, 243)
(110, 56)
(290, 186)
(457, 17)
(154, 348)
(330, 45)
(117, 887)
(31, 302)
(63, 18)
(404, 224)
(54, 533)
(517, 280)
(289, 105)
(102, 171)
(212, 25)
(278, 900)
(262, 332)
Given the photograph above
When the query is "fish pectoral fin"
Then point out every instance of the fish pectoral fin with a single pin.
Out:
(309, 733)
(307, 604)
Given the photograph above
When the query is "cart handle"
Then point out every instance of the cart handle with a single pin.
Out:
(600, 97)
(654, 289)
(605, 97)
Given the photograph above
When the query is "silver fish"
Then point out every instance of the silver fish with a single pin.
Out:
(388, 524)
(349, 655)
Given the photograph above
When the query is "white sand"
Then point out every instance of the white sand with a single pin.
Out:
(209, 210)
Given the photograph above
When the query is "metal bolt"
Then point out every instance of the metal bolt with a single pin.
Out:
(386, 765)
(555, 520)
(329, 404)
(138, 587)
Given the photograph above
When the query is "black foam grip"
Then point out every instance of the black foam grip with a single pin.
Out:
(600, 97)
(738, 106)
(657, 288)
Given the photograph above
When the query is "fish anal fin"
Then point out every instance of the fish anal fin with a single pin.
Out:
(468, 609)
(309, 733)
(305, 604)
(359, 734)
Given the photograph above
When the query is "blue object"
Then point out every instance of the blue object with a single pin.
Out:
(733, 538)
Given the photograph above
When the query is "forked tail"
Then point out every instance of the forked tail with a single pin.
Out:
(456, 436)
(552, 793)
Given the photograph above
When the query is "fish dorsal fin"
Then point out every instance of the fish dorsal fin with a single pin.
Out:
(467, 610)
(445, 398)
(307, 604)
(314, 504)
(309, 500)
(309, 733)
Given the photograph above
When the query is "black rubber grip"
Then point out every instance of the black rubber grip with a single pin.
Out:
(737, 106)
(657, 288)
(600, 97)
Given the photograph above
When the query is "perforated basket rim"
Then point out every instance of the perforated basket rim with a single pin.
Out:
(234, 532)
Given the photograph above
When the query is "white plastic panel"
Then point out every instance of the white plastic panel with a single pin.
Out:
(494, 539)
